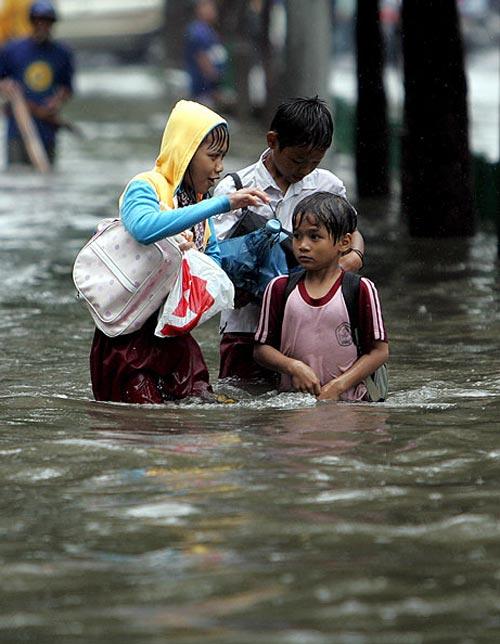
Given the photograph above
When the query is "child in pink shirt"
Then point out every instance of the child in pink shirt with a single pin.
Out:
(306, 337)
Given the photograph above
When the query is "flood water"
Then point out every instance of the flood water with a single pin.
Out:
(277, 519)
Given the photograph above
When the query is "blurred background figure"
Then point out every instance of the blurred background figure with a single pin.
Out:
(390, 19)
(342, 26)
(14, 19)
(205, 55)
(43, 69)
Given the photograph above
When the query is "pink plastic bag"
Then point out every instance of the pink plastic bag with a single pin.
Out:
(202, 289)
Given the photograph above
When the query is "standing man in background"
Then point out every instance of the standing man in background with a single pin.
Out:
(43, 70)
(205, 54)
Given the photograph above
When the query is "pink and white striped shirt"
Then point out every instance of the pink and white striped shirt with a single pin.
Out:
(318, 331)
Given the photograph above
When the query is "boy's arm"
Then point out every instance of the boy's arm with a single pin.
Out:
(363, 367)
(353, 261)
(303, 377)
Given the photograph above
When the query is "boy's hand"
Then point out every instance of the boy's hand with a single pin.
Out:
(247, 197)
(304, 379)
(330, 391)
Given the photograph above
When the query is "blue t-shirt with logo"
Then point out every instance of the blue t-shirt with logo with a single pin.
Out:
(40, 69)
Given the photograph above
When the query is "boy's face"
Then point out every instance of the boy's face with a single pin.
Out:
(206, 166)
(42, 28)
(295, 162)
(313, 245)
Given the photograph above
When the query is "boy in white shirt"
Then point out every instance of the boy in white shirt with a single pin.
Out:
(300, 134)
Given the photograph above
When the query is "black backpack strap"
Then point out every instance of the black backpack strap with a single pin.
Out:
(238, 184)
(237, 180)
(350, 291)
(293, 279)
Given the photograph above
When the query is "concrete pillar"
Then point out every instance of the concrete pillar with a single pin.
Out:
(308, 48)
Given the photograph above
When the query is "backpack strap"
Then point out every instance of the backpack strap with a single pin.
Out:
(350, 291)
(237, 180)
(238, 184)
(293, 279)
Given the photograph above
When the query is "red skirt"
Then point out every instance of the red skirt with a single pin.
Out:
(236, 359)
(142, 368)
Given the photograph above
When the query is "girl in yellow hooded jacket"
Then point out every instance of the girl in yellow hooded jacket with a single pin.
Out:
(170, 199)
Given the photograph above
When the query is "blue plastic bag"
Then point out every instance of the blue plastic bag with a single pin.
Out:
(254, 259)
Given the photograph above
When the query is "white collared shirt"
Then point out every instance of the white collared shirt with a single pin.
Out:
(245, 320)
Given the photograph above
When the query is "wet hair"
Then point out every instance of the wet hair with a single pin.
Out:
(303, 122)
(334, 212)
(217, 138)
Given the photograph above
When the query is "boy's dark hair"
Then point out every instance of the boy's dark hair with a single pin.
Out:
(303, 122)
(333, 211)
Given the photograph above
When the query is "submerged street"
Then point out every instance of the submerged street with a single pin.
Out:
(276, 519)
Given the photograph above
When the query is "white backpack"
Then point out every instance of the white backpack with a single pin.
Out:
(121, 281)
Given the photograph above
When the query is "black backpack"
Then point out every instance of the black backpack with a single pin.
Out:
(377, 382)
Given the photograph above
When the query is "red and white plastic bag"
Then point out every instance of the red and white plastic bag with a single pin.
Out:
(202, 289)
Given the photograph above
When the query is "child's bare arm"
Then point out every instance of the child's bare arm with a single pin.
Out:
(353, 260)
(247, 197)
(362, 368)
(303, 377)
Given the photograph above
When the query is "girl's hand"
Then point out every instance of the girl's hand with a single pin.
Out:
(304, 379)
(247, 197)
(184, 246)
(185, 240)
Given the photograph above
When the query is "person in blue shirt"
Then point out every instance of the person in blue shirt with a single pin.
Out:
(205, 55)
(43, 69)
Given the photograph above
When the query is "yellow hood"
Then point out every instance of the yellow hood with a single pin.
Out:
(187, 126)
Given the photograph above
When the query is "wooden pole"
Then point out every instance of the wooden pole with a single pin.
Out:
(27, 128)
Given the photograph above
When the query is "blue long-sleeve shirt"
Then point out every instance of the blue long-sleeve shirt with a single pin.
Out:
(143, 218)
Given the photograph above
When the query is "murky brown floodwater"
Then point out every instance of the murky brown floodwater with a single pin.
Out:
(275, 520)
